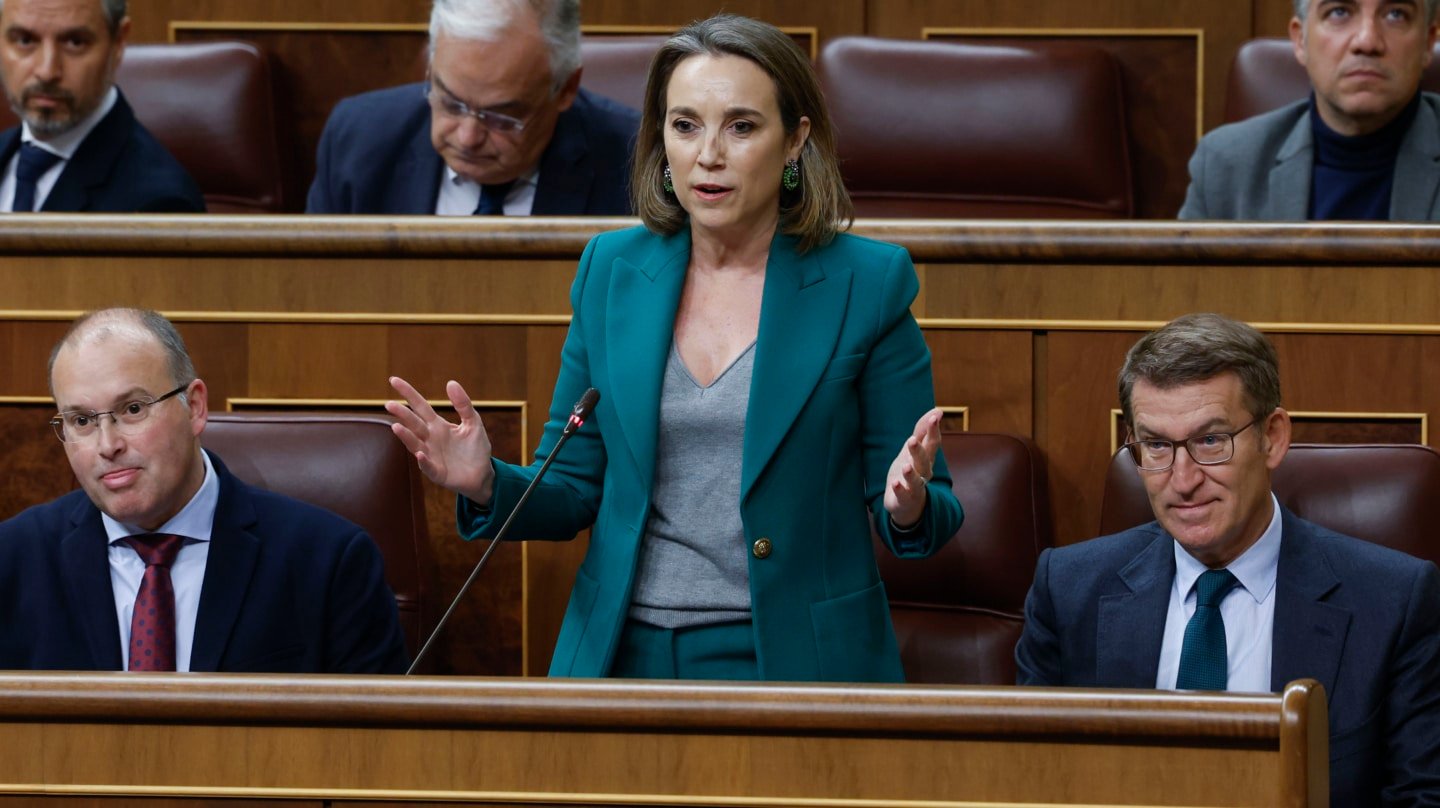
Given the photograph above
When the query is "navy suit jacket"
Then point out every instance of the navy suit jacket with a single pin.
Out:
(119, 168)
(288, 588)
(375, 156)
(1362, 619)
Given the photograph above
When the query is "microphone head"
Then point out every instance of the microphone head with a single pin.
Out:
(587, 403)
(582, 410)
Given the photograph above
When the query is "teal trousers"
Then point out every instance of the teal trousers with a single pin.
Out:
(720, 651)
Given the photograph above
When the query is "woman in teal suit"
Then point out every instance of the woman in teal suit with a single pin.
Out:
(763, 384)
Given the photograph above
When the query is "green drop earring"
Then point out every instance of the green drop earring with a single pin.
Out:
(790, 177)
(668, 183)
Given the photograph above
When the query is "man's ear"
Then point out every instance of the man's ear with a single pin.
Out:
(565, 96)
(122, 35)
(198, 399)
(1276, 434)
(1297, 38)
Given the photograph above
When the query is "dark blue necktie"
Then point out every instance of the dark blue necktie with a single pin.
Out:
(1203, 660)
(492, 199)
(34, 161)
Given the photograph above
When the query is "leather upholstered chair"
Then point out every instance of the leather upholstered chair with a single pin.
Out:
(616, 66)
(354, 466)
(933, 129)
(1385, 493)
(1264, 76)
(958, 614)
(211, 105)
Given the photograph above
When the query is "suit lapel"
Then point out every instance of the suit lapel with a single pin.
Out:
(1131, 623)
(800, 319)
(87, 579)
(643, 298)
(565, 176)
(1290, 176)
(234, 551)
(93, 162)
(1309, 634)
(421, 171)
(1417, 169)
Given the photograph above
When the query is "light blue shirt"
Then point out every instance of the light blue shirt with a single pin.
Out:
(1248, 611)
(194, 522)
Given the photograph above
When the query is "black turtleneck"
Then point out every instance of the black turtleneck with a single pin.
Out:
(1353, 176)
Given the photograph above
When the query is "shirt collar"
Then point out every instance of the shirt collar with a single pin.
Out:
(67, 143)
(194, 521)
(1255, 569)
(530, 178)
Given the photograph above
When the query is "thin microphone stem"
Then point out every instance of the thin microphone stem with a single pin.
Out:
(576, 419)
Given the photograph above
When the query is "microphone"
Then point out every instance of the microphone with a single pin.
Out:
(578, 415)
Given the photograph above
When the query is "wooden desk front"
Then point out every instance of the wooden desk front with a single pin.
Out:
(529, 742)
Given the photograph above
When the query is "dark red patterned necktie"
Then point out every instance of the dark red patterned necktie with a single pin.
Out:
(152, 623)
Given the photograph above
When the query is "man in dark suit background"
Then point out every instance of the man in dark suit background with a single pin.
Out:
(1227, 590)
(164, 560)
(500, 125)
(79, 147)
(1364, 146)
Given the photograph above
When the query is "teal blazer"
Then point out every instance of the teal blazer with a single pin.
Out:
(841, 375)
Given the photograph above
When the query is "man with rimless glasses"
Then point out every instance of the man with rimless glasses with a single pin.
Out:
(165, 561)
(500, 126)
(1227, 590)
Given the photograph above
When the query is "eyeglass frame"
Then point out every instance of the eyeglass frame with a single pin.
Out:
(485, 118)
(57, 423)
(1131, 447)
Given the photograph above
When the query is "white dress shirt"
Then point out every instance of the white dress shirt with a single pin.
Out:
(1248, 611)
(65, 145)
(460, 196)
(187, 574)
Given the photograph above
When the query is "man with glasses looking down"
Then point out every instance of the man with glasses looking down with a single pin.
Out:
(164, 560)
(1227, 590)
(500, 126)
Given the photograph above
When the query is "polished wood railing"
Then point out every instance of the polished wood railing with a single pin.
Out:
(528, 742)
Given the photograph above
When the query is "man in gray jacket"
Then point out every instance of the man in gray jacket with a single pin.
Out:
(1364, 146)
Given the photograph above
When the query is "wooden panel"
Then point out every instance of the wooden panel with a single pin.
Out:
(987, 372)
(1079, 383)
(1272, 17)
(35, 466)
(1161, 80)
(608, 743)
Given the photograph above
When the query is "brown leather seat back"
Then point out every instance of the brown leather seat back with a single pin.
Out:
(616, 66)
(352, 465)
(1385, 493)
(930, 129)
(1265, 75)
(958, 614)
(211, 106)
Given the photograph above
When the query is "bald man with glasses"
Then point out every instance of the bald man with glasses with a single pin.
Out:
(1227, 590)
(164, 560)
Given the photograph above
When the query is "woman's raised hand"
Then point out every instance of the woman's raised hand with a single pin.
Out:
(457, 456)
(905, 492)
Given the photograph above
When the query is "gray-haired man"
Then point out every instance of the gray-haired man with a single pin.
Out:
(500, 126)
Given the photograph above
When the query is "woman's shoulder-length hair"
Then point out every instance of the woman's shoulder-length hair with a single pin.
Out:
(816, 210)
